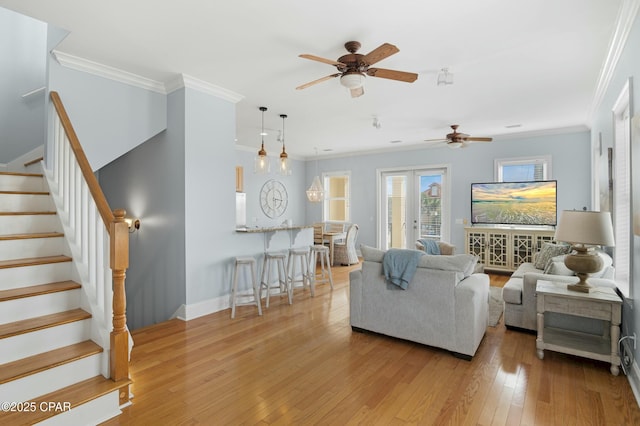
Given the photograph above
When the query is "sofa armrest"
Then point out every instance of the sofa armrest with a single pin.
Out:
(472, 312)
(355, 297)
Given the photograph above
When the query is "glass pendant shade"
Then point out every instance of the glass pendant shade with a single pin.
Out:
(261, 163)
(315, 193)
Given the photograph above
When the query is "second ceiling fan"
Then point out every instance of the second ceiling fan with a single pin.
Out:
(459, 140)
(353, 67)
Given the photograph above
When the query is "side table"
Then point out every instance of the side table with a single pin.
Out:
(602, 303)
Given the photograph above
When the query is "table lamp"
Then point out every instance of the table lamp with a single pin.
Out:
(584, 230)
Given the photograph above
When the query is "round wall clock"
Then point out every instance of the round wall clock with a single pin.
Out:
(273, 198)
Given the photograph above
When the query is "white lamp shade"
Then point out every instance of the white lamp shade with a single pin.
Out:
(352, 81)
(585, 227)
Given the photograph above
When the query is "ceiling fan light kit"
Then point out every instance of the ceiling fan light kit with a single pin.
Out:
(261, 164)
(354, 67)
(445, 78)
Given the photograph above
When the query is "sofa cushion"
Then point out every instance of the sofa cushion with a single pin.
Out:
(548, 251)
(464, 263)
(556, 266)
(512, 291)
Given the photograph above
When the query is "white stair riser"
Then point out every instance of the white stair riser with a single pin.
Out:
(23, 224)
(36, 306)
(93, 412)
(22, 183)
(48, 339)
(25, 203)
(32, 247)
(32, 386)
(33, 275)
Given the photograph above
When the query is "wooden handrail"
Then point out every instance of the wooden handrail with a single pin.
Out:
(87, 172)
(118, 232)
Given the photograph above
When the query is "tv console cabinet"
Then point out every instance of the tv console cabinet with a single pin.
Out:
(505, 248)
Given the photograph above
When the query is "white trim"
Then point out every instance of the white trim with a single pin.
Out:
(624, 23)
(187, 81)
(634, 381)
(105, 71)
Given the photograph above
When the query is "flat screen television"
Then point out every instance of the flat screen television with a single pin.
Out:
(514, 203)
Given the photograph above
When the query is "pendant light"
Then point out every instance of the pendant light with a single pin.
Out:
(284, 166)
(261, 164)
(315, 193)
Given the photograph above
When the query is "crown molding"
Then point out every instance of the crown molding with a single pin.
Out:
(624, 22)
(105, 71)
(187, 81)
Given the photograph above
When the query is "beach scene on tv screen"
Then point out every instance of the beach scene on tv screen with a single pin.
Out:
(526, 203)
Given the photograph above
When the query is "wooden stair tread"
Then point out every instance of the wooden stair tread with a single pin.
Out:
(26, 213)
(31, 236)
(47, 360)
(24, 193)
(40, 323)
(76, 394)
(33, 261)
(21, 174)
(37, 290)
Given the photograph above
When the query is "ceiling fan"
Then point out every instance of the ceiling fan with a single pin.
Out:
(459, 140)
(353, 67)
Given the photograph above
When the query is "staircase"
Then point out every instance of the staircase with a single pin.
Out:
(50, 367)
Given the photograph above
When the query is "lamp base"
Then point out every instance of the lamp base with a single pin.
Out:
(581, 286)
(583, 262)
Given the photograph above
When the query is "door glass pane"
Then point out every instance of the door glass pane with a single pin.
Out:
(430, 215)
(396, 187)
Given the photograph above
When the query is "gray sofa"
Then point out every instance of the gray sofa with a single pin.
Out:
(519, 293)
(445, 304)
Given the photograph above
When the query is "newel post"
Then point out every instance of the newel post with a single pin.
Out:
(119, 255)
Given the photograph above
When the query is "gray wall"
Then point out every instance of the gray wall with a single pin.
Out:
(628, 66)
(23, 45)
(570, 163)
(149, 183)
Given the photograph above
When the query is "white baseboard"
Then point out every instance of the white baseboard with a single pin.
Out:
(206, 307)
(634, 381)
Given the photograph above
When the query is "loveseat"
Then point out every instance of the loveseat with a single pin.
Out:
(519, 293)
(445, 304)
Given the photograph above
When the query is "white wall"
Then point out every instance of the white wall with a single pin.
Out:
(23, 46)
(628, 66)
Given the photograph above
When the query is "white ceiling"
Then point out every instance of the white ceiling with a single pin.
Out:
(515, 62)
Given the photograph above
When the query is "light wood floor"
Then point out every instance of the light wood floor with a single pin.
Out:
(302, 364)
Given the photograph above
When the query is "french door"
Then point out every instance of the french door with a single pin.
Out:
(414, 204)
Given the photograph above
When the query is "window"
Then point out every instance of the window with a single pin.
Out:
(336, 202)
(621, 190)
(523, 169)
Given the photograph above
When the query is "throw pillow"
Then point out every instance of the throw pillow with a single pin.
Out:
(548, 251)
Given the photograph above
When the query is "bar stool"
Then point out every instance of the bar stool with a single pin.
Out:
(302, 256)
(274, 259)
(322, 252)
(250, 262)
